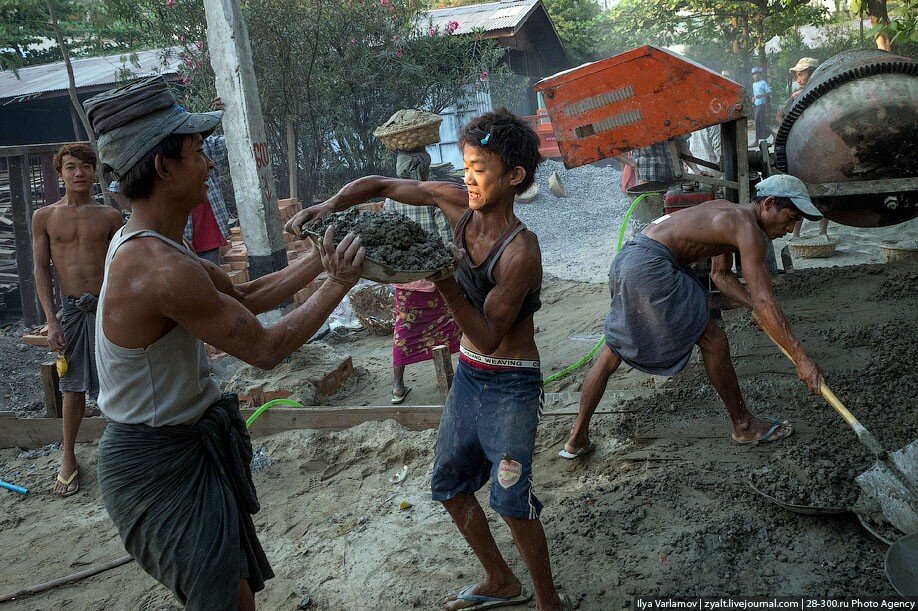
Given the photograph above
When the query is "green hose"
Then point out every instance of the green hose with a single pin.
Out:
(258, 412)
(586, 359)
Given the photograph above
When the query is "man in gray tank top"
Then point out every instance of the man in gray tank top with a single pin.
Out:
(174, 462)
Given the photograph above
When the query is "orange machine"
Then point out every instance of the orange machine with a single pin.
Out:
(541, 125)
(645, 96)
(640, 97)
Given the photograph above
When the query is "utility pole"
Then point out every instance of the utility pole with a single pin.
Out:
(246, 142)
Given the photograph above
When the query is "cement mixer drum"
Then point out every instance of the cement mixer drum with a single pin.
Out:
(857, 120)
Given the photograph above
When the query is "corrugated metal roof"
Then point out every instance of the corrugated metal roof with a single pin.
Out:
(506, 15)
(87, 71)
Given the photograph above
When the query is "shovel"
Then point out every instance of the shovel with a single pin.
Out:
(892, 481)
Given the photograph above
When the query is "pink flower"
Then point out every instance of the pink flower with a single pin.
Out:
(200, 45)
(432, 32)
(385, 3)
(185, 79)
(484, 75)
(399, 53)
(452, 26)
(181, 39)
(170, 3)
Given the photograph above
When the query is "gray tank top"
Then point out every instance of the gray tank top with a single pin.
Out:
(167, 383)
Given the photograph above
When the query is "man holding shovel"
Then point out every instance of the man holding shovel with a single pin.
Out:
(660, 310)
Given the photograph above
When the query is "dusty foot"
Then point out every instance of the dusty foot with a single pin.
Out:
(69, 473)
(576, 443)
(760, 430)
(485, 588)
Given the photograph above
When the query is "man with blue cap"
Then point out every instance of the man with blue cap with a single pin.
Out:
(174, 462)
(660, 309)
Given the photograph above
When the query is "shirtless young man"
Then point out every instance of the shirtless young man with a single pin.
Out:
(488, 426)
(73, 234)
(660, 311)
(174, 462)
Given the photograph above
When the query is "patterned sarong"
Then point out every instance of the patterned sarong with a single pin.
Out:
(421, 322)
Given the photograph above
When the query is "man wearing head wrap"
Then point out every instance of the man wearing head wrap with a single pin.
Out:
(421, 318)
(174, 462)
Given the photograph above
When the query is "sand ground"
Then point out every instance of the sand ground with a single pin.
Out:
(662, 507)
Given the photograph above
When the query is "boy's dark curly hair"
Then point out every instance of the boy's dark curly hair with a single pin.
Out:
(507, 136)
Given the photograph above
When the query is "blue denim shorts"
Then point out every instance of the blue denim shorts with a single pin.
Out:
(488, 431)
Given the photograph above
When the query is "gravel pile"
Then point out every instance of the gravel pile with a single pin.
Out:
(577, 232)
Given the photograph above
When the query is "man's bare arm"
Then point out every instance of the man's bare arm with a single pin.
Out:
(271, 290)
(41, 255)
(767, 311)
(728, 282)
(450, 198)
(487, 331)
(226, 324)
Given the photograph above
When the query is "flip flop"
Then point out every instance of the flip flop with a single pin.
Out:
(770, 436)
(397, 399)
(577, 454)
(67, 482)
(481, 601)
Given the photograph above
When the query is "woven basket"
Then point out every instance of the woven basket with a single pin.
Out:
(409, 129)
(374, 307)
(900, 252)
(813, 250)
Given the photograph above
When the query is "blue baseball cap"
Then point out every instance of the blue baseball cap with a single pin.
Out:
(756, 70)
(791, 187)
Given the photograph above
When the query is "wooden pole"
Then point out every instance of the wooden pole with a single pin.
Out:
(246, 142)
(50, 383)
(444, 367)
(49, 585)
(21, 202)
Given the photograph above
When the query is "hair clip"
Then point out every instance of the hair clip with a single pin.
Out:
(484, 141)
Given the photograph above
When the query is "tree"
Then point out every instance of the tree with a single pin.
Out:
(580, 26)
(740, 28)
(335, 69)
(87, 28)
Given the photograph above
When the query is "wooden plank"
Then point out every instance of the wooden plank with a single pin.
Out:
(32, 149)
(50, 383)
(443, 365)
(338, 418)
(36, 432)
(862, 187)
(20, 190)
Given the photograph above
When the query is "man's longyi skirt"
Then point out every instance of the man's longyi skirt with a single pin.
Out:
(659, 309)
(181, 497)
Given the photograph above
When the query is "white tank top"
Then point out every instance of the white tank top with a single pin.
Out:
(167, 383)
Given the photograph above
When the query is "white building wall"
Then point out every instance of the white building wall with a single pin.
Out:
(447, 151)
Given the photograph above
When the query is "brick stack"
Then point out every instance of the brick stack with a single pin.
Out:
(235, 260)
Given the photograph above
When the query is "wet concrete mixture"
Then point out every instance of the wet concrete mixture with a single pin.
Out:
(390, 238)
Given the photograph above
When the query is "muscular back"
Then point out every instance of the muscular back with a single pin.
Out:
(713, 228)
(77, 240)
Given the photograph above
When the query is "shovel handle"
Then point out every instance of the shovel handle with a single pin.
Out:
(865, 436)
